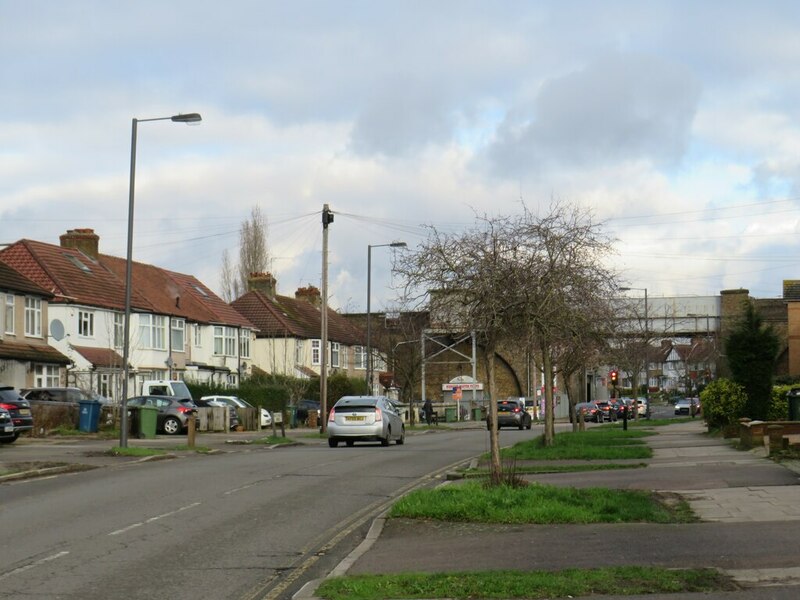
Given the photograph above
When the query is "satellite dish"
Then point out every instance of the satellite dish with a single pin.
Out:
(57, 330)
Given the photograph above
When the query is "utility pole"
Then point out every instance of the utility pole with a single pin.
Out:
(327, 218)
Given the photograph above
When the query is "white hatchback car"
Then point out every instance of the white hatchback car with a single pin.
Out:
(365, 418)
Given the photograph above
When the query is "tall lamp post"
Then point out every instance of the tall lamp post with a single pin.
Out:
(369, 313)
(647, 349)
(187, 118)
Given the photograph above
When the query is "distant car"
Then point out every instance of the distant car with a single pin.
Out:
(683, 406)
(173, 413)
(6, 427)
(590, 412)
(265, 418)
(56, 394)
(363, 419)
(607, 410)
(20, 410)
(511, 413)
(641, 407)
(233, 418)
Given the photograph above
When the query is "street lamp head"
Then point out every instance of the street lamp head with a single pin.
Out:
(398, 245)
(187, 118)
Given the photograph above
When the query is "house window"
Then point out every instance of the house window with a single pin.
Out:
(85, 323)
(177, 334)
(119, 330)
(244, 343)
(224, 341)
(315, 355)
(33, 317)
(153, 332)
(360, 358)
(343, 357)
(299, 352)
(9, 313)
(46, 376)
(198, 336)
(334, 354)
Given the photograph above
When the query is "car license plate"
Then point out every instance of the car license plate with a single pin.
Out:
(354, 418)
(9, 427)
(24, 412)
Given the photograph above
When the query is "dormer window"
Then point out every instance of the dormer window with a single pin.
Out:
(77, 262)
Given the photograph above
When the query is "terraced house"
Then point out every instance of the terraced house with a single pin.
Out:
(288, 338)
(179, 328)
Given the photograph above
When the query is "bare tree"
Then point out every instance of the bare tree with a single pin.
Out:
(470, 278)
(565, 288)
(253, 256)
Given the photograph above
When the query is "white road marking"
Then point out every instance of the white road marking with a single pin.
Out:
(35, 563)
(152, 519)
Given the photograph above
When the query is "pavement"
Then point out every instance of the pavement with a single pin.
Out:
(748, 505)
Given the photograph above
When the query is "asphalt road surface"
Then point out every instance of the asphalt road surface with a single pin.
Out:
(249, 524)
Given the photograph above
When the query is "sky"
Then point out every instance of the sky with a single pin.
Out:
(675, 124)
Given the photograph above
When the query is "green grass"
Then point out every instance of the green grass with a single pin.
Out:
(273, 439)
(135, 451)
(477, 503)
(533, 585)
(602, 443)
(540, 469)
(186, 448)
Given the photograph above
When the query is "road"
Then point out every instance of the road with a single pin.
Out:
(248, 524)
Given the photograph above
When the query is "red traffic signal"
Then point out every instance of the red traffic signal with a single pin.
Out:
(614, 376)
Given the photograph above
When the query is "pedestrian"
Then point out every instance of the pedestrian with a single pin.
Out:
(427, 408)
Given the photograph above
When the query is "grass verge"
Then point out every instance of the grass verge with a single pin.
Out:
(543, 469)
(474, 502)
(34, 467)
(569, 583)
(601, 443)
(273, 440)
(135, 451)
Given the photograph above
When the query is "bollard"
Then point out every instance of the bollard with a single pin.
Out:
(191, 429)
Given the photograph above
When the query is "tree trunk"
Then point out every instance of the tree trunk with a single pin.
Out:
(549, 404)
(496, 470)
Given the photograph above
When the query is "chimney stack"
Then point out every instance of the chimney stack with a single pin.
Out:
(85, 240)
(310, 294)
(262, 282)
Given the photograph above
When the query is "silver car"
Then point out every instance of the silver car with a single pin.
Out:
(365, 418)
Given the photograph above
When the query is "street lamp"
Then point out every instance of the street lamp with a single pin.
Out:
(647, 349)
(187, 118)
(369, 314)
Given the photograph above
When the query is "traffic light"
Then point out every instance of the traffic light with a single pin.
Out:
(614, 376)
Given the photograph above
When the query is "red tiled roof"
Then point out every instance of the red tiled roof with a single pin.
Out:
(35, 352)
(282, 316)
(12, 280)
(100, 357)
(75, 278)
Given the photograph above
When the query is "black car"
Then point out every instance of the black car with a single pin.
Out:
(590, 412)
(511, 413)
(6, 427)
(20, 410)
(173, 413)
(56, 394)
(607, 410)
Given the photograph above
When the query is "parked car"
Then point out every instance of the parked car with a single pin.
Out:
(6, 427)
(511, 413)
(233, 416)
(607, 410)
(265, 418)
(56, 394)
(641, 407)
(589, 410)
(173, 413)
(365, 418)
(20, 410)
